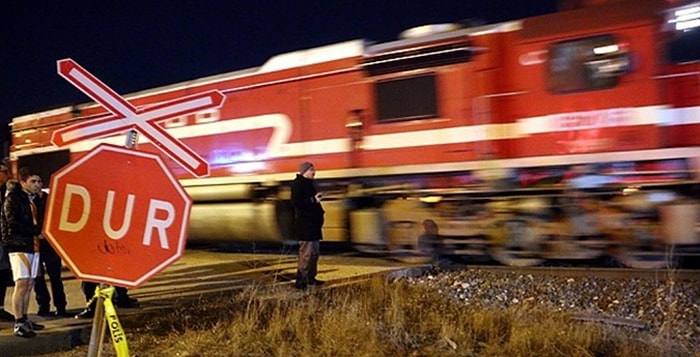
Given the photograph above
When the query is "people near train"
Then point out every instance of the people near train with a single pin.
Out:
(51, 265)
(308, 222)
(20, 231)
(5, 272)
(430, 242)
(121, 299)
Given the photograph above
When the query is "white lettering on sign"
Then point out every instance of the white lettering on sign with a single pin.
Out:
(154, 221)
(126, 221)
(159, 224)
(63, 223)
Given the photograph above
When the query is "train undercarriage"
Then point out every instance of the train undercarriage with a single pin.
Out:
(641, 227)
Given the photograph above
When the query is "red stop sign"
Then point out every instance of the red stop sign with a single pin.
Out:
(117, 216)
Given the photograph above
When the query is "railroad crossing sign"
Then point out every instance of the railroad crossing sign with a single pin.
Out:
(125, 116)
(117, 216)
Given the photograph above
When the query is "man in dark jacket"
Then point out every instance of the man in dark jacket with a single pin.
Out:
(308, 221)
(20, 231)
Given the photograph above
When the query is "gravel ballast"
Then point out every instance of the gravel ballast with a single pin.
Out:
(666, 308)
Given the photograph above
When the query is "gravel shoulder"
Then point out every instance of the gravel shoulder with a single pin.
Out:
(666, 308)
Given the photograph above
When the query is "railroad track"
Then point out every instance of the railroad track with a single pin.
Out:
(611, 273)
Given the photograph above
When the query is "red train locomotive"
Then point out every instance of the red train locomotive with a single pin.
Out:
(563, 136)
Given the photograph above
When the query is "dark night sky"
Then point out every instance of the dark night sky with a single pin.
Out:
(135, 45)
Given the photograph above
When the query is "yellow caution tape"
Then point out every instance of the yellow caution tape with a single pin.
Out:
(115, 327)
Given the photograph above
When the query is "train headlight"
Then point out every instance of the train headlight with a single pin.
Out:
(630, 190)
(431, 199)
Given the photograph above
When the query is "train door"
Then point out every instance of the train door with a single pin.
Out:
(337, 109)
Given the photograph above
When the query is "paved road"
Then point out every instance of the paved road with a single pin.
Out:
(198, 272)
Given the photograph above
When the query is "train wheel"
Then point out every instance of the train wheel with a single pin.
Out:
(646, 257)
(516, 242)
(403, 242)
(641, 248)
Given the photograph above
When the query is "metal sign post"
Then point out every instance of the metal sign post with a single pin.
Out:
(97, 333)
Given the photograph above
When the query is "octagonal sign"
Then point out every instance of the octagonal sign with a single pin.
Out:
(117, 216)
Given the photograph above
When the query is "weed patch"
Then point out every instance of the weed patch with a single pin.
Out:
(377, 318)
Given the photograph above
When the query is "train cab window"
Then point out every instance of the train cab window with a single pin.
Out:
(683, 48)
(406, 98)
(586, 64)
(683, 23)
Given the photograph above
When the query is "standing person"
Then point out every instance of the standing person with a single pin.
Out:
(5, 272)
(50, 264)
(20, 231)
(308, 221)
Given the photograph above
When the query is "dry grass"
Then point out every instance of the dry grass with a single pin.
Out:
(374, 319)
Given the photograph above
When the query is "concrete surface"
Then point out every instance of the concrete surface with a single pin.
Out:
(198, 272)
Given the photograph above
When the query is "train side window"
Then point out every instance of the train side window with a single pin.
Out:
(586, 64)
(406, 98)
(683, 47)
(683, 24)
